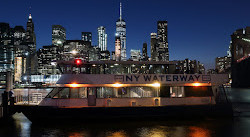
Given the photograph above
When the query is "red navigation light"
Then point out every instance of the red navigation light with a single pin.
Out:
(78, 61)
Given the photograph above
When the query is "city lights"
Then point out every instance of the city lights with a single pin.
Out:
(196, 84)
(117, 85)
(74, 52)
(156, 84)
(74, 85)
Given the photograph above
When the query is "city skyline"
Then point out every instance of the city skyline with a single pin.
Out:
(207, 41)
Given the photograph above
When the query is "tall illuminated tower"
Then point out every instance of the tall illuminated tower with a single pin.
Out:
(30, 35)
(121, 33)
(162, 32)
(102, 38)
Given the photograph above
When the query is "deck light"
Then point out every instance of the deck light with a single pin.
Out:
(74, 85)
(196, 84)
(156, 84)
(117, 85)
(78, 61)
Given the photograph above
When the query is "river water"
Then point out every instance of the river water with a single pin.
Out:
(238, 126)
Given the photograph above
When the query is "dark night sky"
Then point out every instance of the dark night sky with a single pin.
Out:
(196, 29)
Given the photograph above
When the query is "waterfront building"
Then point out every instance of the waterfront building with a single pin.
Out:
(94, 53)
(113, 55)
(135, 55)
(47, 58)
(20, 62)
(154, 48)
(49, 80)
(76, 49)
(19, 35)
(162, 41)
(121, 33)
(102, 38)
(240, 44)
(105, 55)
(201, 68)
(7, 48)
(117, 49)
(87, 36)
(119, 67)
(189, 67)
(5, 31)
(223, 64)
(211, 71)
(7, 57)
(240, 51)
(145, 52)
(58, 35)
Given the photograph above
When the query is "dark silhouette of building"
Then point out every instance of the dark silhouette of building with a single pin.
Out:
(223, 64)
(145, 52)
(58, 35)
(87, 36)
(189, 67)
(240, 50)
(30, 35)
(153, 45)
(159, 42)
(162, 32)
(47, 58)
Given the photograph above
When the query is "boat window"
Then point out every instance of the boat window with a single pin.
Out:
(74, 92)
(83, 92)
(54, 93)
(201, 91)
(64, 93)
(92, 91)
(107, 92)
(177, 91)
(127, 92)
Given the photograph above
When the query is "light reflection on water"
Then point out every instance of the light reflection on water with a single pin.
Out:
(171, 128)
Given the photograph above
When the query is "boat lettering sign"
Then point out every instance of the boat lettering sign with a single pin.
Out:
(95, 79)
(166, 78)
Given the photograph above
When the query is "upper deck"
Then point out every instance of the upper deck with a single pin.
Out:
(117, 67)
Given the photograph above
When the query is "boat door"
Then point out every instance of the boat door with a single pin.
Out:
(92, 96)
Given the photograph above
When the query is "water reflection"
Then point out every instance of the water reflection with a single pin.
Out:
(120, 133)
(176, 128)
(22, 124)
(199, 132)
(235, 127)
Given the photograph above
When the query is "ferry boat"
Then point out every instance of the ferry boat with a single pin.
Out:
(102, 96)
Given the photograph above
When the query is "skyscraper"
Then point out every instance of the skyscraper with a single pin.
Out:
(87, 36)
(102, 38)
(135, 55)
(240, 51)
(153, 45)
(162, 39)
(145, 52)
(30, 35)
(121, 32)
(117, 49)
(58, 35)
(7, 48)
(31, 42)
